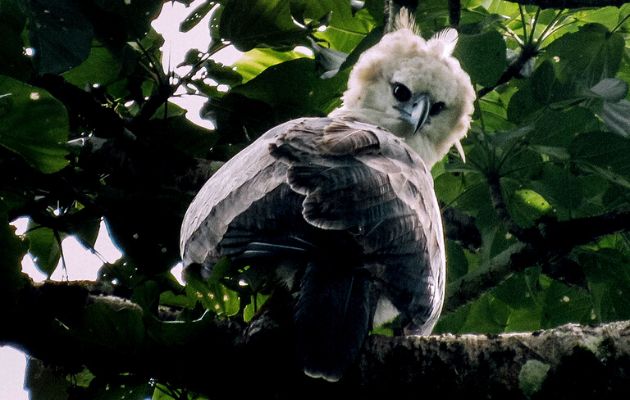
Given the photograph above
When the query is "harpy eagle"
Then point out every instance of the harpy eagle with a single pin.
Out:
(340, 211)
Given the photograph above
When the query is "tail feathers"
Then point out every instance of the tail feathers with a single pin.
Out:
(332, 320)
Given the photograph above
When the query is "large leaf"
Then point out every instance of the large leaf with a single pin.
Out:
(118, 330)
(617, 117)
(561, 189)
(259, 23)
(196, 15)
(586, 56)
(483, 56)
(255, 61)
(60, 34)
(342, 29)
(101, 67)
(117, 22)
(44, 248)
(557, 129)
(609, 283)
(605, 154)
(14, 60)
(294, 89)
(34, 125)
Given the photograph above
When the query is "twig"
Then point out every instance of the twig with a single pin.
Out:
(454, 13)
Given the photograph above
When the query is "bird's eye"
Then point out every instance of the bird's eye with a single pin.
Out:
(436, 108)
(401, 92)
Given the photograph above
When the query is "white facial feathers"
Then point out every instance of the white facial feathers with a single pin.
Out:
(423, 66)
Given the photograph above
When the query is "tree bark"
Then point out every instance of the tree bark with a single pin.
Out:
(62, 324)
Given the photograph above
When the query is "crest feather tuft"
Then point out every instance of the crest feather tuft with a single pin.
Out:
(406, 20)
(445, 41)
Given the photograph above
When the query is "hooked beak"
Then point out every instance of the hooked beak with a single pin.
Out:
(420, 111)
(416, 111)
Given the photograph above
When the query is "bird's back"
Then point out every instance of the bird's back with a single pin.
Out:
(347, 211)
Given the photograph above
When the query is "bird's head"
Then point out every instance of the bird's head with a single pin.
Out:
(414, 88)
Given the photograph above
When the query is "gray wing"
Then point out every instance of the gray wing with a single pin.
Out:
(318, 185)
(244, 179)
(364, 180)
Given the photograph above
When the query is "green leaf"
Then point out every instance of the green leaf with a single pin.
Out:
(587, 56)
(561, 189)
(41, 140)
(60, 33)
(302, 92)
(564, 304)
(557, 129)
(196, 15)
(344, 30)
(255, 61)
(184, 135)
(169, 298)
(521, 290)
(101, 67)
(254, 306)
(617, 117)
(120, 330)
(604, 153)
(14, 61)
(44, 248)
(456, 261)
(259, 23)
(525, 205)
(607, 16)
(488, 314)
(547, 89)
(610, 89)
(87, 232)
(222, 73)
(120, 21)
(608, 278)
(147, 296)
(483, 56)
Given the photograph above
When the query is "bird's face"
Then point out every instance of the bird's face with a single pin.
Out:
(414, 88)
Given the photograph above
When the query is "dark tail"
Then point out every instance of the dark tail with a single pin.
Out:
(332, 319)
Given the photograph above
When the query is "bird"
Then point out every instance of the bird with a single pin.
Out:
(340, 211)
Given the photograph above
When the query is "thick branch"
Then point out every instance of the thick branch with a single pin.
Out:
(570, 3)
(556, 239)
(215, 356)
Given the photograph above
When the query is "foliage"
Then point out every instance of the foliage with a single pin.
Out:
(87, 133)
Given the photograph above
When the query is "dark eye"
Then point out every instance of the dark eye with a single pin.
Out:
(436, 108)
(401, 92)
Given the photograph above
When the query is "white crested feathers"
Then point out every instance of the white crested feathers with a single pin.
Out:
(403, 56)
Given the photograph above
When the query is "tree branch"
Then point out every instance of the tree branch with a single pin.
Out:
(81, 104)
(214, 356)
(461, 228)
(454, 12)
(513, 70)
(570, 3)
(557, 238)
